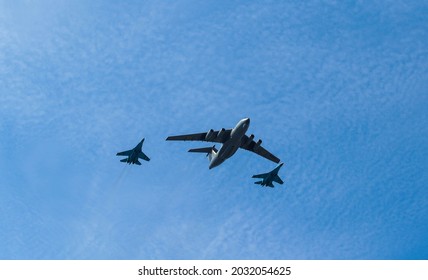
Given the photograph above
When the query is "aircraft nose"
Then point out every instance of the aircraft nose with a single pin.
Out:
(247, 120)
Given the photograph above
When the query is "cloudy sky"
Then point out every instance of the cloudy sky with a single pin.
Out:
(336, 89)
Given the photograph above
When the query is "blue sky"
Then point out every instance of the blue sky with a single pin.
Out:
(336, 89)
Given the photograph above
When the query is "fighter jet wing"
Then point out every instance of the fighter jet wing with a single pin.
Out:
(143, 156)
(125, 153)
(278, 180)
(253, 147)
(263, 175)
(218, 136)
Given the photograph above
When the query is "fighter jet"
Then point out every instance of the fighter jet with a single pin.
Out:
(269, 177)
(232, 139)
(134, 154)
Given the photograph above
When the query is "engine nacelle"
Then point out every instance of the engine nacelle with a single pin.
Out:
(210, 135)
(250, 139)
(221, 133)
(257, 145)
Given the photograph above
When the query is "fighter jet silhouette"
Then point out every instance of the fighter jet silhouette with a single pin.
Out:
(134, 154)
(269, 177)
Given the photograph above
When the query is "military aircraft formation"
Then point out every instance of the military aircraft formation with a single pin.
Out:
(230, 139)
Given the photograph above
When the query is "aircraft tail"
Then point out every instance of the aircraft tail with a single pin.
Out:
(210, 151)
(270, 185)
(212, 154)
(124, 160)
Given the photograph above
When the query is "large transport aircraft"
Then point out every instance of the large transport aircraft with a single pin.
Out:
(231, 140)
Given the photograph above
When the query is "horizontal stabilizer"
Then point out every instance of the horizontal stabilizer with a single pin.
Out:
(258, 182)
(206, 150)
(138, 163)
(124, 160)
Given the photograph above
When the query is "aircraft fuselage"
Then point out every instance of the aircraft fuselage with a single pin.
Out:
(133, 158)
(231, 145)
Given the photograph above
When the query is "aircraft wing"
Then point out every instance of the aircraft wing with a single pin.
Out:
(125, 153)
(263, 175)
(252, 147)
(143, 156)
(218, 136)
(278, 180)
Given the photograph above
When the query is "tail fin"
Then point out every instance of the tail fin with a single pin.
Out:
(210, 151)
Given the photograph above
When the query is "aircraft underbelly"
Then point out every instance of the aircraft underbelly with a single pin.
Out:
(229, 149)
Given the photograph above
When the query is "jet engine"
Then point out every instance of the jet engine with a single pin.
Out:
(248, 142)
(210, 135)
(221, 133)
(257, 145)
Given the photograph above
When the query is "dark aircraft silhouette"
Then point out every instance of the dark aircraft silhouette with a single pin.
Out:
(134, 154)
(269, 177)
